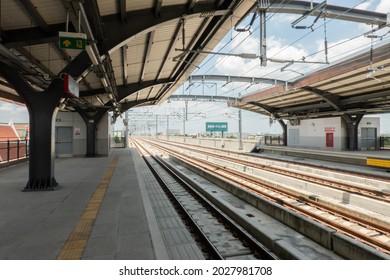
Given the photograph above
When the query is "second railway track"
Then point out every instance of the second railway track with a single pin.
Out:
(372, 193)
(358, 228)
(221, 236)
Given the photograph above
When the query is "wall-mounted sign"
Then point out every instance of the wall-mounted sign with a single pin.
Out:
(71, 87)
(329, 129)
(77, 131)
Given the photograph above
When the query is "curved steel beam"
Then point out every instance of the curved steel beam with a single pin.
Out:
(12, 98)
(239, 79)
(269, 109)
(331, 11)
(190, 97)
(330, 98)
(125, 91)
(137, 23)
(132, 104)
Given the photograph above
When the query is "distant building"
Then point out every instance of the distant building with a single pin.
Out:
(8, 132)
(22, 129)
(10, 146)
(332, 133)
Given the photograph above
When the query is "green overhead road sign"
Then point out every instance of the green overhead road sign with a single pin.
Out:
(73, 41)
(216, 126)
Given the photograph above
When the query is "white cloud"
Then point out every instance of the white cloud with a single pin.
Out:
(342, 48)
(383, 7)
(276, 49)
(365, 5)
(11, 112)
(283, 18)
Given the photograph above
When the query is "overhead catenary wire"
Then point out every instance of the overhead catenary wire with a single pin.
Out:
(291, 44)
(284, 2)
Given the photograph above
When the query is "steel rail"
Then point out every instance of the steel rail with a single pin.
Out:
(257, 247)
(217, 170)
(367, 192)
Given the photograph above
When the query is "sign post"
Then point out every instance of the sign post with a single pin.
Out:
(217, 127)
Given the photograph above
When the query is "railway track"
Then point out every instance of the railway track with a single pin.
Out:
(221, 236)
(366, 231)
(334, 184)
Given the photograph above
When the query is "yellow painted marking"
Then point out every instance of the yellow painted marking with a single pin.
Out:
(378, 162)
(74, 246)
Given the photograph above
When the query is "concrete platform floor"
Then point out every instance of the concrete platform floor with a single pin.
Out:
(36, 225)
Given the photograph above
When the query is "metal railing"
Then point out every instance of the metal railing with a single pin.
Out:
(118, 142)
(273, 140)
(11, 150)
(384, 142)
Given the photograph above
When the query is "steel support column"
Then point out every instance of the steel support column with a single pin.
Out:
(352, 122)
(91, 121)
(284, 127)
(42, 109)
(263, 34)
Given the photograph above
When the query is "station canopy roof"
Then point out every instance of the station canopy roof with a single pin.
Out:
(140, 51)
(355, 85)
(137, 50)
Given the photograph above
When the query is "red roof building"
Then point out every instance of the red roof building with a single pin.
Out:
(10, 146)
(22, 130)
(8, 132)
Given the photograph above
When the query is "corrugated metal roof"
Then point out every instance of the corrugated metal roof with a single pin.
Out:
(14, 16)
(52, 11)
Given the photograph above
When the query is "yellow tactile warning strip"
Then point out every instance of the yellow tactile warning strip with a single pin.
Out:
(378, 162)
(77, 241)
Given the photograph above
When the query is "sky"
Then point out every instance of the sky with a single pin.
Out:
(283, 42)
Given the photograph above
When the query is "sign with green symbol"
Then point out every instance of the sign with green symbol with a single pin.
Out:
(71, 40)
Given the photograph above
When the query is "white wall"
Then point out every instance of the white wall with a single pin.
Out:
(74, 120)
(102, 136)
(369, 122)
(311, 133)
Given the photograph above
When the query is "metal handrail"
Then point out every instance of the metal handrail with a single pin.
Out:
(11, 150)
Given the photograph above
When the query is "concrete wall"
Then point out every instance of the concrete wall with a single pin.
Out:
(311, 133)
(102, 136)
(74, 120)
(369, 122)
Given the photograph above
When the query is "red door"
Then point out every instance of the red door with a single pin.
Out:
(329, 140)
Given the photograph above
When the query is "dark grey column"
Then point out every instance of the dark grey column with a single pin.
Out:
(284, 127)
(42, 109)
(352, 122)
(91, 120)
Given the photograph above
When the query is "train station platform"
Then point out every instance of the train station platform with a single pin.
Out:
(109, 208)
(370, 161)
(100, 211)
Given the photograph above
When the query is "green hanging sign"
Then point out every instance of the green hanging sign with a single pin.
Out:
(71, 40)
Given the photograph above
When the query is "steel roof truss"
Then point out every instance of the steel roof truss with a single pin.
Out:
(331, 99)
(332, 11)
(124, 65)
(229, 79)
(122, 8)
(147, 54)
(157, 10)
(171, 47)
